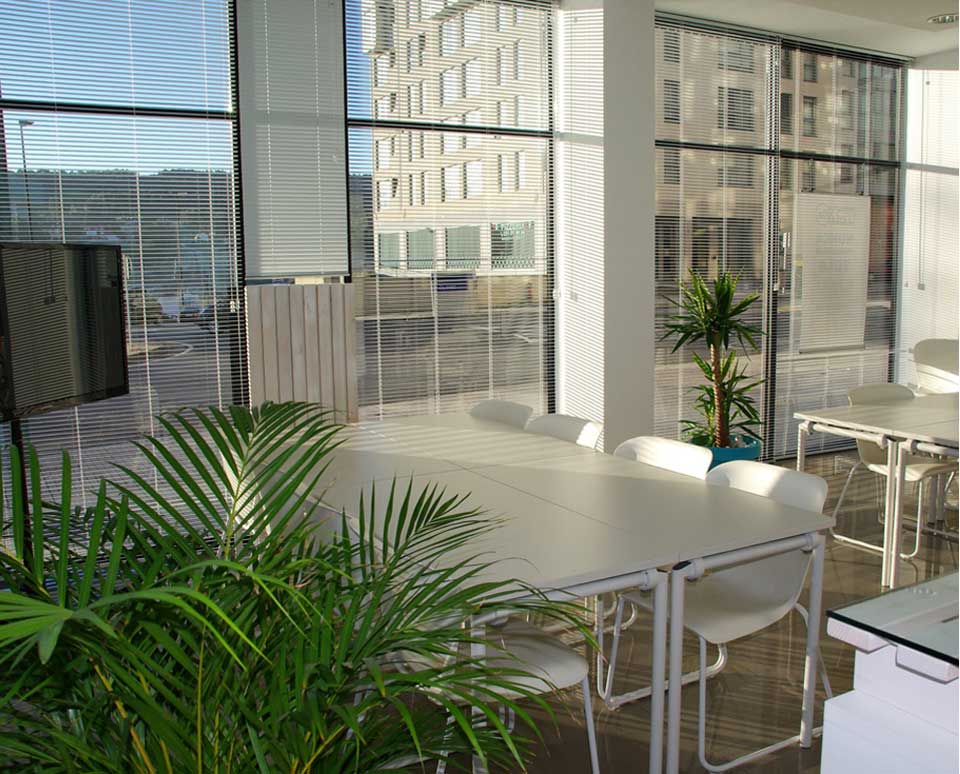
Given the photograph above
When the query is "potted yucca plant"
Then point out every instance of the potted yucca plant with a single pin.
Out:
(709, 312)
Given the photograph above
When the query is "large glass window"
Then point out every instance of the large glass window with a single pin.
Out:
(129, 141)
(467, 312)
(815, 237)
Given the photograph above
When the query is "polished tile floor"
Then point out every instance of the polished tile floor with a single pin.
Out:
(756, 699)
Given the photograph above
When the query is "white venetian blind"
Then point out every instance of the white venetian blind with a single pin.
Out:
(117, 127)
(450, 185)
(929, 282)
(293, 147)
(580, 213)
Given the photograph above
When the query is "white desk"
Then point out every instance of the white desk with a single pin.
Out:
(578, 523)
(927, 423)
(902, 712)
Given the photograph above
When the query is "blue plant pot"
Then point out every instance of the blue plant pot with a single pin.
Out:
(723, 454)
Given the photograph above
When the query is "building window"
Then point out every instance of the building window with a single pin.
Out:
(671, 166)
(846, 170)
(463, 247)
(786, 113)
(421, 248)
(451, 183)
(389, 249)
(385, 147)
(503, 65)
(512, 245)
(381, 69)
(386, 105)
(671, 102)
(451, 85)
(473, 179)
(736, 55)
(517, 60)
(786, 63)
(452, 141)
(471, 78)
(472, 118)
(386, 192)
(734, 109)
(671, 46)
(473, 26)
(736, 171)
(846, 109)
(423, 188)
(667, 249)
(848, 68)
(809, 116)
(809, 67)
(809, 175)
(451, 35)
(786, 174)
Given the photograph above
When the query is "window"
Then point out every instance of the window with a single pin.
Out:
(451, 85)
(425, 338)
(734, 109)
(471, 78)
(809, 175)
(671, 46)
(809, 67)
(786, 113)
(463, 247)
(848, 68)
(786, 174)
(386, 105)
(421, 248)
(671, 102)
(786, 63)
(736, 171)
(736, 55)
(389, 249)
(386, 192)
(667, 246)
(846, 170)
(451, 183)
(142, 181)
(451, 35)
(473, 179)
(381, 69)
(671, 166)
(513, 245)
(385, 147)
(846, 109)
(809, 116)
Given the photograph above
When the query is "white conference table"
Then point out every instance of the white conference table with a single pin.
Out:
(579, 523)
(928, 423)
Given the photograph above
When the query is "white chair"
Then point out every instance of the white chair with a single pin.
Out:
(678, 457)
(582, 432)
(918, 468)
(938, 365)
(505, 411)
(737, 601)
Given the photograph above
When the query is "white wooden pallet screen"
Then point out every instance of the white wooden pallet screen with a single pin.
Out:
(301, 345)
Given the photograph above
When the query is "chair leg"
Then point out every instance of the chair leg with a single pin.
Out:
(916, 540)
(605, 684)
(843, 538)
(823, 666)
(591, 728)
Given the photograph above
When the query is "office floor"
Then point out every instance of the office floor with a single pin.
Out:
(756, 699)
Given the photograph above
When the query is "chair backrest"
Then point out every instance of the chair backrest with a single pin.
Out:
(938, 365)
(781, 576)
(875, 395)
(668, 454)
(785, 486)
(582, 432)
(506, 411)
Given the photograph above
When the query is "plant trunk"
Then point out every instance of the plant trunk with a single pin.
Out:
(721, 430)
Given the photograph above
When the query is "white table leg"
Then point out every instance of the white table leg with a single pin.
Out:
(660, 601)
(478, 650)
(802, 432)
(893, 573)
(813, 641)
(678, 582)
(892, 451)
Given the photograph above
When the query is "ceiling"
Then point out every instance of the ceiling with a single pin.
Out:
(891, 26)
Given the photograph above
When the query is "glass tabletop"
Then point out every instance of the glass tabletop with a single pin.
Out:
(922, 617)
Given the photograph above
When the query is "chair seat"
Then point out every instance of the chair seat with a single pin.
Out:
(520, 645)
(732, 603)
(917, 468)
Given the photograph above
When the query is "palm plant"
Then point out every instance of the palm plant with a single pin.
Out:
(214, 618)
(712, 314)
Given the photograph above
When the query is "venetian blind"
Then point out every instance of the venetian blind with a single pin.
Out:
(450, 169)
(113, 134)
(290, 60)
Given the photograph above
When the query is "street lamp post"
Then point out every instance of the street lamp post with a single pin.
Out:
(24, 122)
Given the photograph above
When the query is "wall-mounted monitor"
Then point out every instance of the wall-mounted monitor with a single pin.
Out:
(62, 335)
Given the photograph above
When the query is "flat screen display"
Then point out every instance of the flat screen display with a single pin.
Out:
(62, 337)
